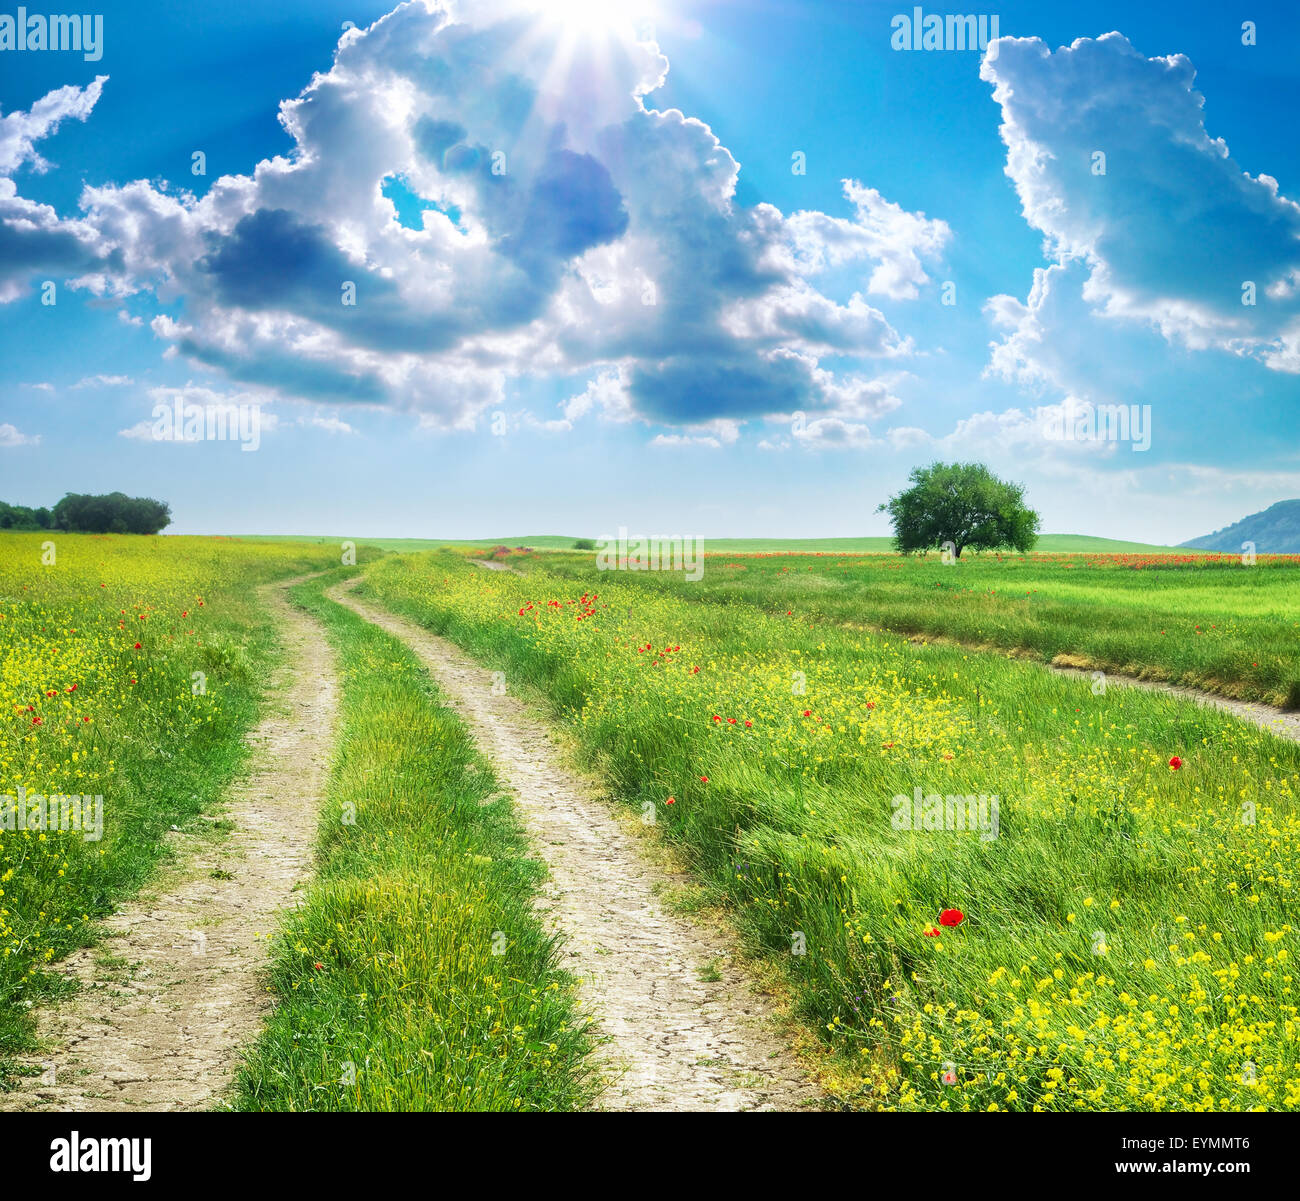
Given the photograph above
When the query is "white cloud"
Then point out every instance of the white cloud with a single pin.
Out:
(592, 234)
(34, 242)
(330, 424)
(678, 440)
(10, 436)
(833, 433)
(1172, 231)
(104, 381)
(20, 131)
(882, 231)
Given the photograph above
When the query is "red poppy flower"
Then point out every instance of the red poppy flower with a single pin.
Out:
(951, 917)
(807, 712)
(1175, 763)
(137, 646)
(716, 717)
(672, 800)
(749, 725)
(704, 779)
(931, 932)
(731, 721)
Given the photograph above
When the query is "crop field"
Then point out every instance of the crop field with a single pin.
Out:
(1109, 927)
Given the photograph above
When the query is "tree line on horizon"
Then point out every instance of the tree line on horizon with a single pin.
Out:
(111, 513)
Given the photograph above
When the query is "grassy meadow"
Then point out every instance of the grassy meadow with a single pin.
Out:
(99, 695)
(1123, 942)
(987, 886)
(1207, 621)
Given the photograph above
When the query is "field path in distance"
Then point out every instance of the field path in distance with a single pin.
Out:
(686, 1029)
(165, 1033)
(1282, 722)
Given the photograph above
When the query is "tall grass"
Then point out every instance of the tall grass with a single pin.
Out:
(416, 975)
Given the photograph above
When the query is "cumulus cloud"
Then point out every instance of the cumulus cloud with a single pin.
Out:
(1171, 235)
(566, 229)
(881, 231)
(34, 240)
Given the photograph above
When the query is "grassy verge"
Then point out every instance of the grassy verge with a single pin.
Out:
(1125, 938)
(416, 976)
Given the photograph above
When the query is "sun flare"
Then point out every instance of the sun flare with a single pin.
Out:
(588, 15)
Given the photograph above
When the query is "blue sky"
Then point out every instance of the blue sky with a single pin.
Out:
(711, 306)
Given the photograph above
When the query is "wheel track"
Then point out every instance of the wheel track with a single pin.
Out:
(676, 1041)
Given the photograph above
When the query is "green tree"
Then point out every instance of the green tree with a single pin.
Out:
(115, 513)
(19, 517)
(961, 503)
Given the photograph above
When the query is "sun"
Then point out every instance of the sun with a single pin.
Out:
(587, 15)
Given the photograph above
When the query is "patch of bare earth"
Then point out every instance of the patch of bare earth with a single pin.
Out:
(177, 986)
(687, 1029)
(494, 565)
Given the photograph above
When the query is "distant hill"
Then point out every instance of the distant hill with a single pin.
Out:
(1275, 531)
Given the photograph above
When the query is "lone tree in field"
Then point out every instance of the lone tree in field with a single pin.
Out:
(961, 503)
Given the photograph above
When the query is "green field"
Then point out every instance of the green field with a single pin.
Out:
(1124, 939)
(1204, 621)
(98, 651)
(982, 884)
